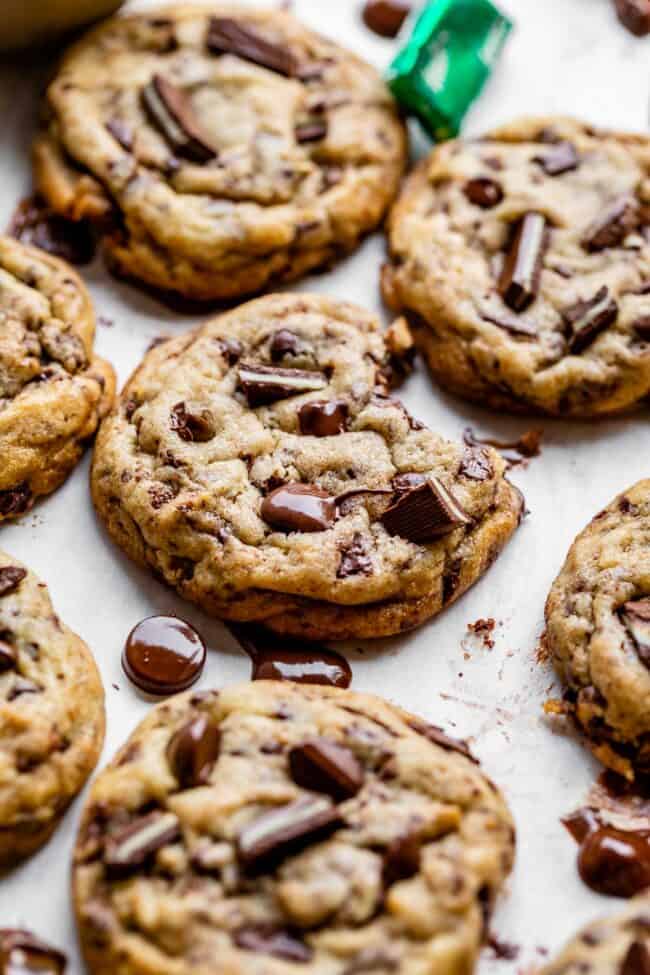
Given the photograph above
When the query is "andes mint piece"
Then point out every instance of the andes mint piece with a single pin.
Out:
(231, 350)
(193, 427)
(637, 958)
(642, 327)
(385, 17)
(283, 344)
(483, 192)
(587, 319)
(514, 324)
(323, 418)
(267, 384)
(402, 859)
(613, 225)
(228, 36)
(171, 111)
(163, 655)
(22, 685)
(424, 513)
(355, 559)
(561, 158)
(635, 15)
(10, 578)
(519, 281)
(193, 750)
(299, 508)
(311, 131)
(21, 953)
(268, 939)
(282, 832)
(476, 465)
(405, 482)
(8, 657)
(130, 847)
(323, 766)
(635, 615)
(439, 737)
(121, 132)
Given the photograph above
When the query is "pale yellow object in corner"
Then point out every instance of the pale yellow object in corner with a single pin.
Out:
(26, 22)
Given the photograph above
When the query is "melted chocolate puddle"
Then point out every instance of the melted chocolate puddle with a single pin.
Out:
(36, 224)
(514, 452)
(282, 658)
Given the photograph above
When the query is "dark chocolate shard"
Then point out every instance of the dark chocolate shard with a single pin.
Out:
(171, 111)
(635, 15)
(132, 846)
(323, 418)
(483, 192)
(642, 327)
(439, 737)
(519, 281)
(323, 766)
(8, 657)
(561, 158)
(637, 957)
(277, 834)
(385, 17)
(193, 751)
(312, 130)
(424, 513)
(10, 578)
(268, 939)
(266, 384)
(299, 508)
(635, 615)
(21, 953)
(192, 426)
(402, 858)
(229, 36)
(355, 559)
(587, 319)
(611, 227)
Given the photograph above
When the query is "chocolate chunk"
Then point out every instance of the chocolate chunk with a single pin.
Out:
(611, 227)
(483, 192)
(231, 350)
(36, 224)
(587, 319)
(311, 131)
(322, 766)
(284, 344)
(21, 953)
(519, 281)
(402, 859)
(121, 132)
(22, 685)
(635, 615)
(132, 846)
(193, 750)
(10, 578)
(163, 655)
(562, 158)
(268, 939)
(267, 384)
(424, 513)
(635, 15)
(171, 111)
(642, 327)
(192, 427)
(8, 657)
(228, 36)
(476, 465)
(439, 737)
(615, 862)
(299, 508)
(282, 832)
(385, 17)
(355, 559)
(637, 957)
(514, 324)
(323, 418)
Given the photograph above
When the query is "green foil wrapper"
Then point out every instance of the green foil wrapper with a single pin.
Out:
(451, 52)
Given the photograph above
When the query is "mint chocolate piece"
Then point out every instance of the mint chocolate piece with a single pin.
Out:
(130, 847)
(562, 157)
(192, 752)
(10, 578)
(402, 859)
(519, 281)
(323, 766)
(587, 319)
(355, 558)
(299, 508)
(611, 227)
(275, 835)
(269, 939)
(483, 192)
(635, 615)
(21, 953)
(424, 513)
(170, 110)
(323, 418)
(266, 384)
(229, 36)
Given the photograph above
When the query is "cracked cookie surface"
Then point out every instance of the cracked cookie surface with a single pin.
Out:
(523, 262)
(598, 630)
(274, 827)
(618, 945)
(51, 713)
(219, 148)
(53, 390)
(259, 467)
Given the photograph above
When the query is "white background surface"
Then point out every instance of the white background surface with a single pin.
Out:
(565, 56)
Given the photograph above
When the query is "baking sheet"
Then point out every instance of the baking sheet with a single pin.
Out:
(565, 56)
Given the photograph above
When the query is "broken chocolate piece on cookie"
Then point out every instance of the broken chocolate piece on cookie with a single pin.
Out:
(425, 513)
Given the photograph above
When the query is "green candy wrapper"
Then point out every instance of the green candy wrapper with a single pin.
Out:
(453, 47)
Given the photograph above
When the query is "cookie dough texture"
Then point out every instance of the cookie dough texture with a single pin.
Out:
(183, 465)
(607, 674)
(51, 713)
(618, 945)
(306, 158)
(53, 390)
(192, 907)
(447, 256)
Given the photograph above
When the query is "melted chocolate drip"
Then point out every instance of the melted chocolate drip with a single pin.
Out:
(282, 658)
(514, 451)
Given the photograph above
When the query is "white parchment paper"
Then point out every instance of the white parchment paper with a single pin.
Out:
(565, 56)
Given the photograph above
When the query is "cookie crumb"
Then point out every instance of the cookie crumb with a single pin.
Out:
(484, 628)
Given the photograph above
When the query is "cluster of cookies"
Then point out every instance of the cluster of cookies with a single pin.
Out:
(260, 466)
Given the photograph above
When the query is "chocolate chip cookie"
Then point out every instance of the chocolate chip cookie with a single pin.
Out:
(219, 148)
(598, 630)
(51, 713)
(274, 827)
(258, 465)
(53, 390)
(619, 945)
(523, 262)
